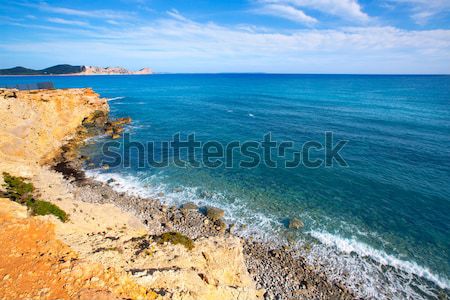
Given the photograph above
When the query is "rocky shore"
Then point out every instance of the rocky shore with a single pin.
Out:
(124, 232)
(280, 272)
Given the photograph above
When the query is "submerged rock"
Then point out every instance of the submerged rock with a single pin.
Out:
(295, 223)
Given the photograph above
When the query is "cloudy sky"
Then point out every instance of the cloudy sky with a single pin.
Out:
(278, 36)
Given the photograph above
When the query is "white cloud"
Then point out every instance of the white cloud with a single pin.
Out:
(67, 22)
(176, 15)
(112, 22)
(177, 44)
(423, 10)
(101, 13)
(346, 9)
(287, 12)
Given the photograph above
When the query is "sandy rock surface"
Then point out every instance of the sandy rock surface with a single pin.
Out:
(34, 264)
(35, 124)
(102, 252)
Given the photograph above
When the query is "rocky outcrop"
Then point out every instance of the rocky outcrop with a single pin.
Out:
(213, 269)
(102, 252)
(92, 70)
(34, 264)
(35, 124)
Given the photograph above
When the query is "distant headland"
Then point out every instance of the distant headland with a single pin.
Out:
(74, 70)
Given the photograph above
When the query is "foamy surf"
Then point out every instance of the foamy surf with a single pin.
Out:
(115, 98)
(371, 273)
(373, 268)
(256, 223)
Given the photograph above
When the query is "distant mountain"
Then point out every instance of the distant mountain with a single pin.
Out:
(19, 71)
(74, 70)
(63, 69)
(55, 70)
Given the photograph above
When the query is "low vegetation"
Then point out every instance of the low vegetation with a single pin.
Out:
(20, 191)
(17, 189)
(175, 238)
(42, 208)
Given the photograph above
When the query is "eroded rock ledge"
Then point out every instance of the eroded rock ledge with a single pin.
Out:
(35, 124)
(101, 238)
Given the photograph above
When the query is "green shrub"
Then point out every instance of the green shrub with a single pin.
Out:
(17, 189)
(176, 238)
(42, 208)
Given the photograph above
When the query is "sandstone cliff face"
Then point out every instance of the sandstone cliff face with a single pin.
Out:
(35, 124)
(33, 127)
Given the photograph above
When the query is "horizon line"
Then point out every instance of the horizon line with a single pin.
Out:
(234, 73)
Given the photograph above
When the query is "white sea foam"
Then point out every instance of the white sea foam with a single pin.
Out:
(115, 98)
(257, 223)
(125, 183)
(397, 275)
(251, 115)
(370, 272)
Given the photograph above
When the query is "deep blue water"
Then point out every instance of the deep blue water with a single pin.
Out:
(382, 224)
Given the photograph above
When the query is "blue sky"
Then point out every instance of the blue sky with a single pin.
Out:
(279, 36)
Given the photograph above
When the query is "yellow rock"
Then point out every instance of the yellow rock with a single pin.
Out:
(33, 127)
(35, 124)
(13, 209)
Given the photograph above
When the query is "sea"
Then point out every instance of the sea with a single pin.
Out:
(378, 220)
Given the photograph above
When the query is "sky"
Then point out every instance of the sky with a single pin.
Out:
(205, 36)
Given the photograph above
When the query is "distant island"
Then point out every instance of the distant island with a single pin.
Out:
(74, 70)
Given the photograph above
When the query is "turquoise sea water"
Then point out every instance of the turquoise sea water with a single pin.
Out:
(382, 224)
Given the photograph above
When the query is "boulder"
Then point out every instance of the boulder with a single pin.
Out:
(118, 130)
(220, 226)
(121, 121)
(189, 206)
(214, 213)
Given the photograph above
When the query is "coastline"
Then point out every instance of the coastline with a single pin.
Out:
(278, 269)
(104, 222)
(72, 74)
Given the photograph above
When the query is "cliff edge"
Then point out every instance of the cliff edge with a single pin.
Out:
(35, 124)
(101, 252)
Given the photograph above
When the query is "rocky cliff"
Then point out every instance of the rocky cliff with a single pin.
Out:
(91, 70)
(102, 252)
(35, 124)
